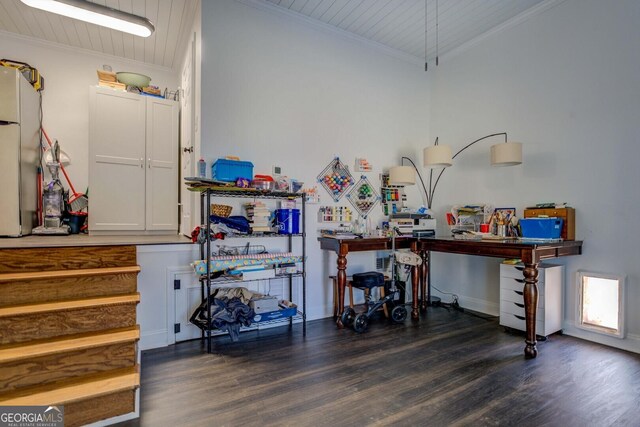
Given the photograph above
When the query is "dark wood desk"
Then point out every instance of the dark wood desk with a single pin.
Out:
(343, 246)
(531, 253)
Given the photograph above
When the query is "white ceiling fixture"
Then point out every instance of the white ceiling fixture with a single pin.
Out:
(173, 21)
(96, 14)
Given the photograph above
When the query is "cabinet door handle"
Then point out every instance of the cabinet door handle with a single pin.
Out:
(518, 268)
(519, 292)
(519, 305)
(149, 162)
(519, 280)
(142, 162)
(519, 317)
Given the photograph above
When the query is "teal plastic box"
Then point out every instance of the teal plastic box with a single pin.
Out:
(541, 228)
(230, 170)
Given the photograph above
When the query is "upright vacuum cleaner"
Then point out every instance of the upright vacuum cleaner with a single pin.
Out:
(53, 200)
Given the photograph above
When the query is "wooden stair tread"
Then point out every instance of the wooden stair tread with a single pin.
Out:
(78, 390)
(60, 345)
(40, 275)
(68, 305)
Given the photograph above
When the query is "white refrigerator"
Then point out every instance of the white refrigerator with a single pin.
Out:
(19, 153)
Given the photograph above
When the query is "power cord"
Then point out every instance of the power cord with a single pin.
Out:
(454, 300)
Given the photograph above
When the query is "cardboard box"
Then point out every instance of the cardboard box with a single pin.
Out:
(282, 313)
(264, 305)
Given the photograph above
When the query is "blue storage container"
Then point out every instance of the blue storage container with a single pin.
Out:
(231, 170)
(541, 228)
(288, 221)
(274, 315)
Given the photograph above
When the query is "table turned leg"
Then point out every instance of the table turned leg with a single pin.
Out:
(415, 285)
(342, 283)
(530, 307)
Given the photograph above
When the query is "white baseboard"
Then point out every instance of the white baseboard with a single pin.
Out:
(630, 342)
(479, 305)
(154, 339)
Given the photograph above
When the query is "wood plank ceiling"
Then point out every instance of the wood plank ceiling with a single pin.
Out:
(394, 24)
(171, 18)
(400, 24)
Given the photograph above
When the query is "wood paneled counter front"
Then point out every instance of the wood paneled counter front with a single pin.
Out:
(530, 252)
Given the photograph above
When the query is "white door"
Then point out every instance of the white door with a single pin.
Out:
(187, 299)
(187, 135)
(162, 164)
(116, 160)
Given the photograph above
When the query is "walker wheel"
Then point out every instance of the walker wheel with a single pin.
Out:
(398, 314)
(361, 323)
(348, 315)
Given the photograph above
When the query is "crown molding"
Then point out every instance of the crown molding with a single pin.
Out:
(72, 49)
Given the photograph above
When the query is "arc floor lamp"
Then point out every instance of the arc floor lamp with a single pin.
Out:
(439, 156)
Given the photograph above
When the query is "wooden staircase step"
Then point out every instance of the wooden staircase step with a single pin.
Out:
(74, 390)
(39, 275)
(41, 321)
(30, 309)
(48, 286)
(66, 258)
(54, 360)
(62, 345)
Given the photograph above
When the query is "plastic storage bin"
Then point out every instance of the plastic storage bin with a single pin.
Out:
(288, 221)
(541, 228)
(230, 170)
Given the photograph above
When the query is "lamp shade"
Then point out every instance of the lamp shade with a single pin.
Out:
(506, 154)
(402, 175)
(437, 156)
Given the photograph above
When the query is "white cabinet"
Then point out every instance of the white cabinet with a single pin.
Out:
(549, 313)
(133, 162)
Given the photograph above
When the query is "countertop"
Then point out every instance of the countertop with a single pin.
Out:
(88, 240)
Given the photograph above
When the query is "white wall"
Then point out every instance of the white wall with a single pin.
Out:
(68, 73)
(566, 83)
(156, 311)
(276, 92)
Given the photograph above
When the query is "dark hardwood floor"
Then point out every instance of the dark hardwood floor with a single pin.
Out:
(451, 368)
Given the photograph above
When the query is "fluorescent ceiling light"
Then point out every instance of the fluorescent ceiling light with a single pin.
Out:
(96, 14)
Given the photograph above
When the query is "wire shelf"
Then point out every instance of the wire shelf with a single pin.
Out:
(226, 279)
(297, 318)
(244, 193)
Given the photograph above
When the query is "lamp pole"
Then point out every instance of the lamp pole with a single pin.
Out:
(433, 300)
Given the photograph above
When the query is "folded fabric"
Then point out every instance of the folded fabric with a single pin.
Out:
(226, 315)
(238, 223)
(243, 294)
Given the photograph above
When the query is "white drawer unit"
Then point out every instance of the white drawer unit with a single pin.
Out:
(549, 313)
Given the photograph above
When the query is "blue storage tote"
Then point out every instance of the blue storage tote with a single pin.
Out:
(541, 228)
(230, 170)
(274, 315)
(288, 221)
